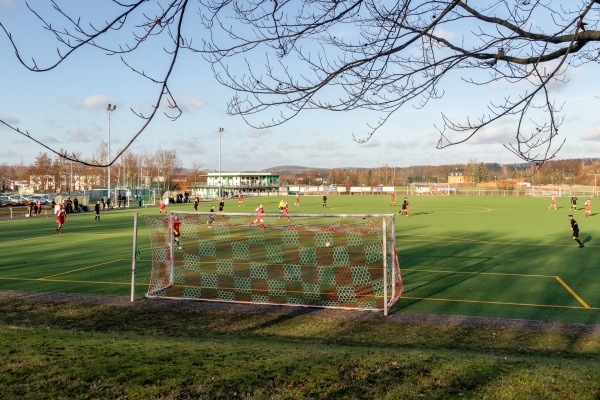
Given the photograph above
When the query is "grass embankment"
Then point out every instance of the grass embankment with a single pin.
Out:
(76, 351)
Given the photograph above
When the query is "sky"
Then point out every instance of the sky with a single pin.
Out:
(66, 108)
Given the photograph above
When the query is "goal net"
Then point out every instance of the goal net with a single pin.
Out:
(318, 260)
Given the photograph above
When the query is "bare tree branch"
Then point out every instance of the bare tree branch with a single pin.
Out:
(345, 55)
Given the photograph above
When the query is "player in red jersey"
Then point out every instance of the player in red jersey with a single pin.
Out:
(240, 199)
(393, 199)
(60, 218)
(297, 203)
(259, 212)
(176, 232)
(162, 207)
(553, 202)
(285, 210)
(588, 207)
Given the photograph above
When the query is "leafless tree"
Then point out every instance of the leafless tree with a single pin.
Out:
(283, 57)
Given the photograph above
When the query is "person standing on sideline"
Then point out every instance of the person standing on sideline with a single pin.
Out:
(60, 218)
(97, 209)
(211, 217)
(259, 212)
(162, 207)
(393, 199)
(553, 202)
(196, 204)
(325, 201)
(176, 232)
(573, 203)
(575, 229)
(221, 205)
(297, 203)
(588, 207)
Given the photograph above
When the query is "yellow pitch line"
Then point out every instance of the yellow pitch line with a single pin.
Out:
(498, 303)
(455, 240)
(579, 299)
(80, 269)
(476, 273)
(71, 281)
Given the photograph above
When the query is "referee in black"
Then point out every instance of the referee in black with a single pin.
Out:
(575, 229)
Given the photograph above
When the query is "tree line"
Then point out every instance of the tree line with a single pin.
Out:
(555, 172)
(58, 175)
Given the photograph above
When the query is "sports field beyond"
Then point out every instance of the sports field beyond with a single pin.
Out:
(507, 257)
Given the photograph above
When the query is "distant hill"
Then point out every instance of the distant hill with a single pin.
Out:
(290, 168)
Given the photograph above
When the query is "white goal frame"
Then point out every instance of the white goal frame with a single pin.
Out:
(390, 271)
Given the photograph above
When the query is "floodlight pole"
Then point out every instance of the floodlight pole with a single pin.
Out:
(220, 179)
(109, 109)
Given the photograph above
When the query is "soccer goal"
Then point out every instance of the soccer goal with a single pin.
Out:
(315, 260)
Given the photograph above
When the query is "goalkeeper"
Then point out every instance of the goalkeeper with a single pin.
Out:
(176, 232)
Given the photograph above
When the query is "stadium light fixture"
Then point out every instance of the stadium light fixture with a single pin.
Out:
(110, 108)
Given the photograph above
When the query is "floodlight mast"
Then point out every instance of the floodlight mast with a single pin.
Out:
(109, 109)
(220, 178)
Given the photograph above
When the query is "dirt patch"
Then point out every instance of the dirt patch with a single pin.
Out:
(400, 318)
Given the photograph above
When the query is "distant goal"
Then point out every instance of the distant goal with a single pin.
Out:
(314, 260)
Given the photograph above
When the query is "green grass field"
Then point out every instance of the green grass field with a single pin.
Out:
(497, 257)
(506, 257)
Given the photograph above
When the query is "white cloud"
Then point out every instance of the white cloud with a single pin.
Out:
(194, 103)
(96, 102)
(77, 136)
(592, 134)
(7, 5)
(371, 143)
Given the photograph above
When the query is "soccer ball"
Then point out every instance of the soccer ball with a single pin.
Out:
(327, 244)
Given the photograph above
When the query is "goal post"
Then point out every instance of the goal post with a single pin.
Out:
(314, 260)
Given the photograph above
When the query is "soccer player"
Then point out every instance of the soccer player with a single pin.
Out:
(97, 209)
(211, 217)
(221, 205)
(285, 210)
(60, 218)
(259, 212)
(553, 202)
(281, 204)
(196, 204)
(297, 203)
(588, 207)
(162, 207)
(575, 229)
(393, 199)
(325, 201)
(573, 203)
(176, 232)
(240, 199)
(404, 210)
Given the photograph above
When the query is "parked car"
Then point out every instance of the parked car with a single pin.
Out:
(42, 199)
(17, 200)
(4, 200)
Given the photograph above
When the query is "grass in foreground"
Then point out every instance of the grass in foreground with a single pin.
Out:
(78, 351)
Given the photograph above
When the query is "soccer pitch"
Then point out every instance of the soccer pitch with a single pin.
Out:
(507, 257)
